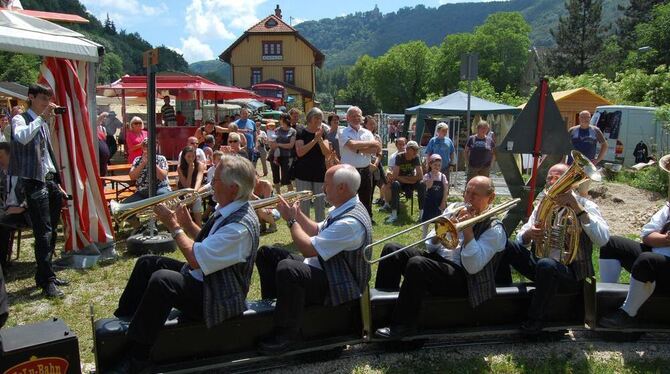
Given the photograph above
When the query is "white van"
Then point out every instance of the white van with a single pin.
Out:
(625, 127)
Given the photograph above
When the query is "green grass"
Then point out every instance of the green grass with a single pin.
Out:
(102, 285)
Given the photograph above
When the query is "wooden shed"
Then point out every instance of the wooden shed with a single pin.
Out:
(571, 102)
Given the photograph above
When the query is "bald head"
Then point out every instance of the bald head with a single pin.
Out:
(479, 193)
(555, 172)
(483, 185)
(584, 118)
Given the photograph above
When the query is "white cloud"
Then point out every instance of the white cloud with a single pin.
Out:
(178, 50)
(219, 17)
(295, 21)
(193, 49)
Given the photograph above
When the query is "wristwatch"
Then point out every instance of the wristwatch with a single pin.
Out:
(176, 232)
(290, 222)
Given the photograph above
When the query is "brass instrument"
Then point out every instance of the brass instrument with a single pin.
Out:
(446, 228)
(121, 212)
(561, 225)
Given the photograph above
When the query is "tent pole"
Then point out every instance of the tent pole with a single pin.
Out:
(216, 109)
(123, 107)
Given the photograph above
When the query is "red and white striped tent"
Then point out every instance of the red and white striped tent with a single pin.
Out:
(69, 68)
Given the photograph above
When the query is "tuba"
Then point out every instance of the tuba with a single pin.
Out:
(561, 225)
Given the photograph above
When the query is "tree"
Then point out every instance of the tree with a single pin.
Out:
(446, 68)
(109, 25)
(360, 91)
(579, 37)
(655, 34)
(400, 75)
(637, 12)
(19, 68)
(111, 68)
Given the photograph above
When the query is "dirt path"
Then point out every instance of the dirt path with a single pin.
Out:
(626, 209)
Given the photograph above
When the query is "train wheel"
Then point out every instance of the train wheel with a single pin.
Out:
(142, 244)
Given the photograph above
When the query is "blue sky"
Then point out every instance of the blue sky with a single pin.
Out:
(202, 29)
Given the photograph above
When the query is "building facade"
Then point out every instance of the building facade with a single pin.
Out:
(274, 52)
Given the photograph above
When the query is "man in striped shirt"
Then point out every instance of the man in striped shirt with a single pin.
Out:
(168, 113)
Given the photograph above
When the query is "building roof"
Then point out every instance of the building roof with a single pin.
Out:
(274, 25)
(15, 90)
(563, 95)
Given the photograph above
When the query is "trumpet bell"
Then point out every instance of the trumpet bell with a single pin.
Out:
(447, 233)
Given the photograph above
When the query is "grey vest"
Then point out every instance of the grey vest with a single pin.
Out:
(225, 291)
(26, 160)
(347, 272)
(482, 285)
(582, 266)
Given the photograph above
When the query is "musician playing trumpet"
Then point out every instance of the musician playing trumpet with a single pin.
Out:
(212, 283)
(467, 270)
(549, 273)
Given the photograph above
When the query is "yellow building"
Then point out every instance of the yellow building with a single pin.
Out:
(272, 51)
(571, 102)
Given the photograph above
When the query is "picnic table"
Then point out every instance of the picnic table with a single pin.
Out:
(123, 186)
(116, 169)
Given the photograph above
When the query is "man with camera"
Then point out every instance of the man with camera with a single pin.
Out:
(34, 162)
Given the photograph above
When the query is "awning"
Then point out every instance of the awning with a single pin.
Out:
(21, 33)
(14, 90)
(182, 86)
(457, 104)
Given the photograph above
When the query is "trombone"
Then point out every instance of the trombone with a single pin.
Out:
(446, 229)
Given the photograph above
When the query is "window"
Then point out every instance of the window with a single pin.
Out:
(289, 75)
(256, 75)
(272, 50)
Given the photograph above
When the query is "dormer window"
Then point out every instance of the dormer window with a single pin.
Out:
(271, 23)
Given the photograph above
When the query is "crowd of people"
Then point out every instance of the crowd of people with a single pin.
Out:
(329, 265)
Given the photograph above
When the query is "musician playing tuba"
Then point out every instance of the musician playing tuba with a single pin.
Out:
(468, 269)
(648, 263)
(550, 273)
(213, 282)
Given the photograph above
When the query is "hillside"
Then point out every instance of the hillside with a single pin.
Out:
(344, 39)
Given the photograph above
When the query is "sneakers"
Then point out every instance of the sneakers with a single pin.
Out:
(392, 218)
(420, 214)
(617, 320)
(385, 208)
(396, 332)
(380, 201)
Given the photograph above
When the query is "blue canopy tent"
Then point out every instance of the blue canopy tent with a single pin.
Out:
(455, 104)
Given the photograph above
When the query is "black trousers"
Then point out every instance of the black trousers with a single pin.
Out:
(294, 284)
(4, 302)
(111, 144)
(548, 275)
(623, 249)
(156, 285)
(652, 267)
(281, 170)
(365, 190)
(425, 273)
(408, 189)
(44, 204)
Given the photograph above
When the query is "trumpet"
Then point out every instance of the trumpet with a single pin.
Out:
(142, 209)
(446, 228)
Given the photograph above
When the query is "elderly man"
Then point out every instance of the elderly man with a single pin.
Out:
(406, 177)
(331, 266)
(467, 269)
(648, 263)
(357, 146)
(548, 273)
(586, 137)
(212, 283)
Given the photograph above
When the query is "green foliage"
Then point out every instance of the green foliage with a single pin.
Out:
(447, 69)
(331, 80)
(110, 69)
(400, 75)
(597, 83)
(214, 70)
(19, 68)
(484, 89)
(579, 37)
(327, 101)
(650, 178)
(635, 13)
(655, 34)
(360, 90)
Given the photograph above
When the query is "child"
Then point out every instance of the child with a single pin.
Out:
(436, 189)
(209, 147)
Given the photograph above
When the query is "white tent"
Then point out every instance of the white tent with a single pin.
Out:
(25, 34)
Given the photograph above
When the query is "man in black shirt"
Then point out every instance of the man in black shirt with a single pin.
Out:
(407, 176)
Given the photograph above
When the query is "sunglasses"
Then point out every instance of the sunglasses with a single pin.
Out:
(233, 141)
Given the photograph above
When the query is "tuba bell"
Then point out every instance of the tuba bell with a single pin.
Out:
(561, 225)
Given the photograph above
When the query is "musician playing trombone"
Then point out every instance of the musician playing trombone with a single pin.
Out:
(549, 273)
(213, 282)
(331, 267)
(468, 269)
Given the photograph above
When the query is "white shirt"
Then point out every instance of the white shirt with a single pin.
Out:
(357, 160)
(597, 229)
(199, 155)
(24, 133)
(210, 174)
(224, 246)
(346, 234)
(658, 220)
(477, 253)
(392, 159)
